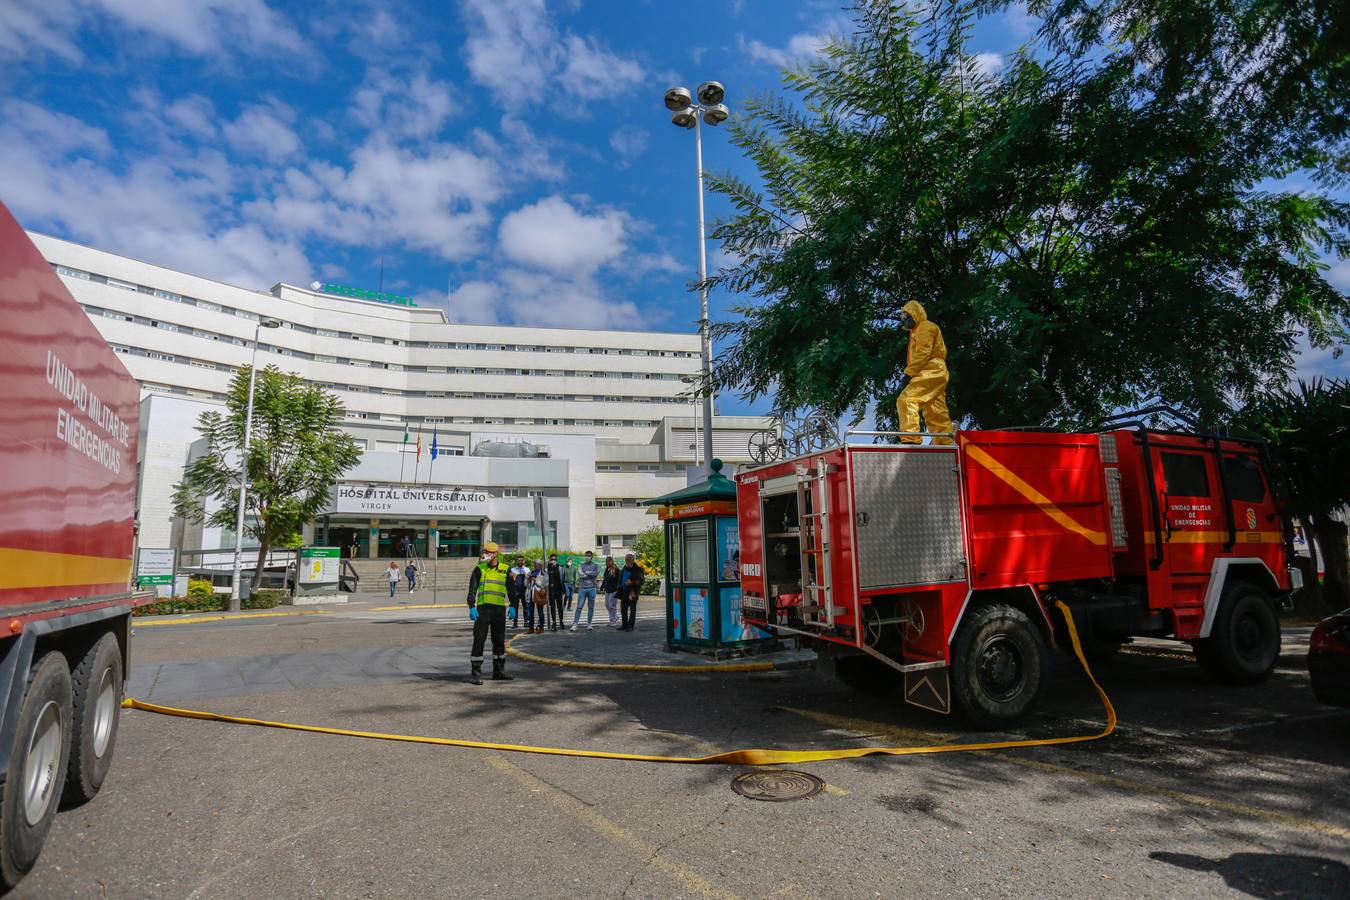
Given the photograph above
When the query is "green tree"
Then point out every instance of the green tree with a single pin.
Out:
(1086, 237)
(650, 547)
(1309, 428)
(296, 454)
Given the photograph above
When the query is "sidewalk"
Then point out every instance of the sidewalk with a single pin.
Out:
(642, 648)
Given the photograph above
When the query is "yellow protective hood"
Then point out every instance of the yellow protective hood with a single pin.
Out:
(916, 312)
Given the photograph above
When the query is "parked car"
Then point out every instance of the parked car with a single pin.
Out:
(1329, 659)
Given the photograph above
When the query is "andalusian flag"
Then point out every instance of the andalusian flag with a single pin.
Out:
(405, 437)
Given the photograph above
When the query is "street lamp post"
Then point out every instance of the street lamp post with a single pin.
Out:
(686, 113)
(692, 380)
(243, 466)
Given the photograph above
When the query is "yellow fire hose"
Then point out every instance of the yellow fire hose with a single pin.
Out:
(731, 757)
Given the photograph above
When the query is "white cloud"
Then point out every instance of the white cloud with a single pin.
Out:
(590, 71)
(194, 114)
(38, 27)
(536, 298)
(263, 131)
(417, 107)
(174, 210)
(58, 133)
(434, 198)
(1020, 22)
(522, 153)
(988, 64)
(517, 51)
(196, 26)
(552, 234)
(629, 143)
(800, 47)
(208, 26)
(474, 303)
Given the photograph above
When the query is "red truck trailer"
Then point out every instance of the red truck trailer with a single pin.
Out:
(68, 429)
(937, 567)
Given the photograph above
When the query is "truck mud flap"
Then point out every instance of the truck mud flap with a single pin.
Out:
(929, 689)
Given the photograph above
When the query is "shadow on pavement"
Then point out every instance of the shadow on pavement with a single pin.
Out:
(1270, 875)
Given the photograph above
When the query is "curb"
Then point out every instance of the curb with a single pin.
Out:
(646, 667)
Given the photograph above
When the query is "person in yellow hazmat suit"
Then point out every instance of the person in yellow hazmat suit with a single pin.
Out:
(924, 384)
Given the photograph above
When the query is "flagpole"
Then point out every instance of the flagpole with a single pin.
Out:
(403, 452)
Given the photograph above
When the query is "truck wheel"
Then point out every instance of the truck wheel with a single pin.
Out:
(998, 665)
(37, 762)
(97, 688)
(1244, 641)
(866, 675)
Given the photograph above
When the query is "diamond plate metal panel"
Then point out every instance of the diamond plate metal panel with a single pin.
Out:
(1120, 538)
(1107, 444)
(907, 514)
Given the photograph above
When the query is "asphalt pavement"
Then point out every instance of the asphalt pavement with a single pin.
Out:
(1204, 791)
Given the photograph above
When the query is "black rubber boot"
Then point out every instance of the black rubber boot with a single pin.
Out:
(499, 671)
(476, 673)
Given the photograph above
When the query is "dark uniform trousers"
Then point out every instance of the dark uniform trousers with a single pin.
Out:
(491, 617)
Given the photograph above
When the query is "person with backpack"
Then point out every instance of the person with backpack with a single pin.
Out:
(517, 588)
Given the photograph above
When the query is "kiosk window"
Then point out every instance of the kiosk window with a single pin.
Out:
(696, 552)
(1244, 479)
(1184, 475)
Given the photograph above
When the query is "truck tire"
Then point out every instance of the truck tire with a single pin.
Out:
(37, 764)
(998, 665)
(97, 701)
(1244, 641)
(867, 675)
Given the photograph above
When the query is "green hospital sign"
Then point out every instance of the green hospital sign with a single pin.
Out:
(344, 290)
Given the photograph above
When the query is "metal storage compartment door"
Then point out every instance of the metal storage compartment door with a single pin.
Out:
(1038, 507)
(907, 516)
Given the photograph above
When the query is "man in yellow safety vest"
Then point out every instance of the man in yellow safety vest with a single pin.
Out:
(487, 609)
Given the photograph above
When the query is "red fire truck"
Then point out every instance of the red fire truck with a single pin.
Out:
(937, 567)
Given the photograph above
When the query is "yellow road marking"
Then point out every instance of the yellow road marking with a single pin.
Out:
(868, 729)
(140, 621)
(1042, 502)
(650, 854)
(414, 606)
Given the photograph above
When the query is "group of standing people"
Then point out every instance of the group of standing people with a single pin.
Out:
(546, 593)
(497, 590)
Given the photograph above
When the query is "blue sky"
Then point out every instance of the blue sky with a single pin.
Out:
(511, 160)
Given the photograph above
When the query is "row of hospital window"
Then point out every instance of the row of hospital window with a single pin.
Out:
(428, 420)
(370, 364)
(368, 338)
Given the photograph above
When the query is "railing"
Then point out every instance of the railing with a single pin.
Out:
(223, 560)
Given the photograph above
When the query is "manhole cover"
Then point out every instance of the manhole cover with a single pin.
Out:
(777, 784)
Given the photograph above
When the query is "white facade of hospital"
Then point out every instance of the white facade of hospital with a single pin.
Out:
(608, 410)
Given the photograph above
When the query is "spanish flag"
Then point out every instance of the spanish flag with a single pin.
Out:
(419, 445)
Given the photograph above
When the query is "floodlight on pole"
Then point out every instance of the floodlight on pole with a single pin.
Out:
(688, 114)
(243, 466)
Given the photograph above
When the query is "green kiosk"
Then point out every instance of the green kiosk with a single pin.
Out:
(703, 571)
